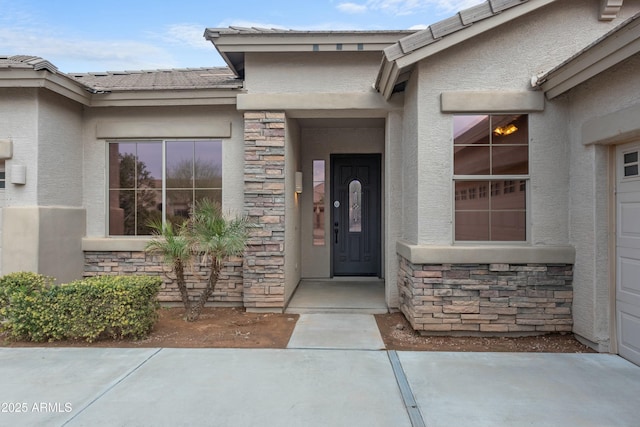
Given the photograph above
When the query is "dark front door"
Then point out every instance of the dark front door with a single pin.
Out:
(355, 214)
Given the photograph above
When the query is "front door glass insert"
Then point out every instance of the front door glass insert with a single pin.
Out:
(355, 206)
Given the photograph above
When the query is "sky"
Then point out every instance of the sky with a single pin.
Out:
(116, 35)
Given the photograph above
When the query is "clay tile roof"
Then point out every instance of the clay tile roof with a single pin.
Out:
(27, 62)
(189, 78)
(460, 21)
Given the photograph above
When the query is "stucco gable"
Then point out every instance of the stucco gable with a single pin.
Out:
(611, 49)
(400, 58)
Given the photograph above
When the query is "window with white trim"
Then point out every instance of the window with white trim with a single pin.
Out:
(3, 177)
(160, 180)
(491, 152)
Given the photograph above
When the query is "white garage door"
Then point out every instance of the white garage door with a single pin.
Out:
(628, 252)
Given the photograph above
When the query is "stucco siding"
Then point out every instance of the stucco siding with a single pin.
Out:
(309, 72)
(19, 122)
(59, 151)
(410, 170)
(292, 259)
(393, 215)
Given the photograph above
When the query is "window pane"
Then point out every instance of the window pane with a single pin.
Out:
(148, 209)
(631, 170)
(508, 226)
(510, 160)
(510, 198)
(179, 164)
(471, 129)
(631, 157)
(179, 203)
(149, 167)
(122, 215)
(208, 164)
(471, 161)
(476, 195)
(318, 203)
(355, 206)
(122, 165)
(472, 225)
(510, 129)
(213, 195)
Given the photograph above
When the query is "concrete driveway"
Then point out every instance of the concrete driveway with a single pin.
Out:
(313, 387)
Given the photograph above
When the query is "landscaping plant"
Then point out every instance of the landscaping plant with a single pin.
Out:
(117, 307)
(208, 237)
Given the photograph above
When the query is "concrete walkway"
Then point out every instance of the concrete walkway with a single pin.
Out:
(336, 331)
(303, 387)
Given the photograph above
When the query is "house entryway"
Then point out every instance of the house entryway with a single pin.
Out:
(351, 296)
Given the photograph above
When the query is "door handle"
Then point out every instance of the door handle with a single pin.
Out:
(336, 230)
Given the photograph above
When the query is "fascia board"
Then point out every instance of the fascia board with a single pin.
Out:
(355, 101)
(471, 31)
(43, 79)
(384, 73)
(68, 88)
(609, 52)
(390, 82)
(322, 47)
(282, 42)
(165, 98)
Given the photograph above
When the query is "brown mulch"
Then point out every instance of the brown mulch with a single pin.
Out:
(398, 335)
(235, 328)
(220, 327)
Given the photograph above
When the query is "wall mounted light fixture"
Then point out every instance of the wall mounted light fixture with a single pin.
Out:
(298, 182)
(18, 174)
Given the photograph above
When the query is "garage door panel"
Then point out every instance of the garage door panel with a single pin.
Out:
(628, 283)
(629, 220)
(629, 331)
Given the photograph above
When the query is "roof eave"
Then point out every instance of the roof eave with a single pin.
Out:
(233, 44)
(58, 83)
(212, 35)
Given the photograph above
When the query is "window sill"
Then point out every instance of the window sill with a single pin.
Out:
(486, 254)
(114, 244)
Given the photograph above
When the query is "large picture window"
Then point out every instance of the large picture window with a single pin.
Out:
(491, 175)
(160, 180)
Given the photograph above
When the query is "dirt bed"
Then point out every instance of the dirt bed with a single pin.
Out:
(235, 328)
(398, 335)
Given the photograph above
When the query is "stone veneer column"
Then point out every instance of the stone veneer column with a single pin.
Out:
(264, 163)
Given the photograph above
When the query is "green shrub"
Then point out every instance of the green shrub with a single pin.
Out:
(22, 282)
(95, 308)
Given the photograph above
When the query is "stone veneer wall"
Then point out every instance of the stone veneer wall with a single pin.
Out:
(487, 299)
(228, 289)
(264, 185)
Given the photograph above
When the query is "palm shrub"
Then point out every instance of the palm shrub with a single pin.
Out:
(172, 243)
(208, 235)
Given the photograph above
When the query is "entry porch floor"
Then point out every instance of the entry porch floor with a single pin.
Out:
(344, 295)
